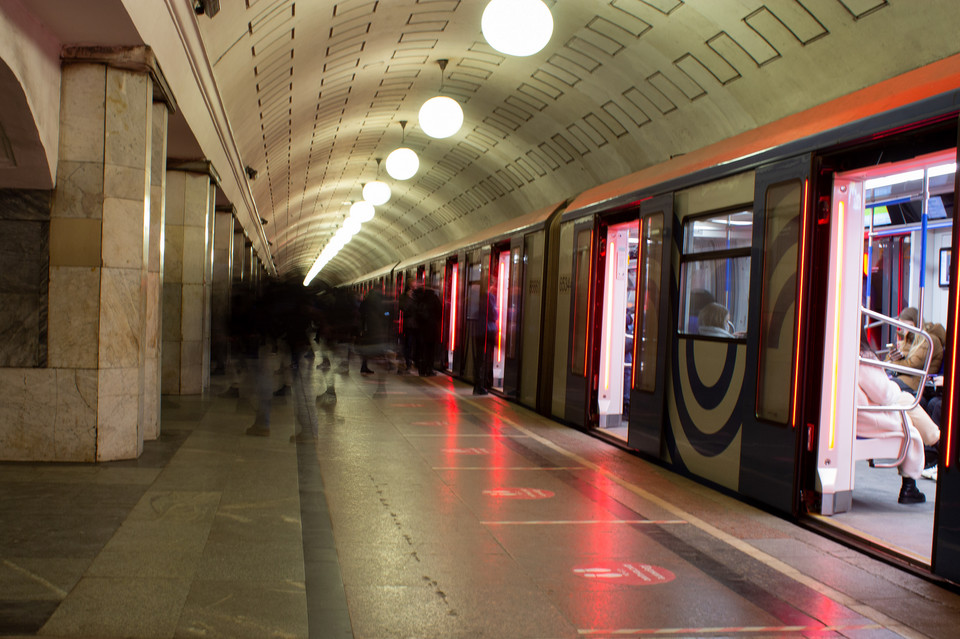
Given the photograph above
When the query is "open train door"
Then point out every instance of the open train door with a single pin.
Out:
(772, 419)
(651, 325)
(578, 383)
(511, 316)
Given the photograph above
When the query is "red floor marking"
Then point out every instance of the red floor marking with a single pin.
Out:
(467, 451)
(724, 630)
(519, 493)
(627, 573)
(587, 522)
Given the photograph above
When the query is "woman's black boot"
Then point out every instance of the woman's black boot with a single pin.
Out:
(909, 494)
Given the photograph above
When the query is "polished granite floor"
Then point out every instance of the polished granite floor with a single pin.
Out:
(420, 511)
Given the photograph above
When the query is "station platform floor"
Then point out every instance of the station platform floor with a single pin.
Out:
(420, 511)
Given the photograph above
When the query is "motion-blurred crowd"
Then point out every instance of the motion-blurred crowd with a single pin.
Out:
(287, 337)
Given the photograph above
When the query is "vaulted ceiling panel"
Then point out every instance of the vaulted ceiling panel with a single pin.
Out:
(316, 91)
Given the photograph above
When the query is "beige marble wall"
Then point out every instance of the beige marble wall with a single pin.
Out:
(48, 414)
(187, 227)
(87, 404)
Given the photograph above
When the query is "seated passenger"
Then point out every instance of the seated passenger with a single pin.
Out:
(698, 299)
(874, 388)
(912, 349)
(714, 321)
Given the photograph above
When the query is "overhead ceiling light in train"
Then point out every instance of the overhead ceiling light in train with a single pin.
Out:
(517, 27)
(440, 117)
(403, 163)
(943, 169)
(890, 180)
(363, 211)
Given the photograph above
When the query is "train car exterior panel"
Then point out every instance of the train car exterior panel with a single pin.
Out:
(558, 406)
(534, 268)
(771, 433)
(946, 548)
(735, 323)
(652, 325)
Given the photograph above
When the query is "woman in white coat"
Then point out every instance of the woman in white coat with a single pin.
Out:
(874, 388)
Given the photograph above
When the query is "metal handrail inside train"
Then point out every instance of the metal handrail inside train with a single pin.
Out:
(890, 366)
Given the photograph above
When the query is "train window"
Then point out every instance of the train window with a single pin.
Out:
(718, 232)
(715, 275)
(781, 233)
(581, 303)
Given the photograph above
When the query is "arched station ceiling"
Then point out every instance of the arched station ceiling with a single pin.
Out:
(314, 91)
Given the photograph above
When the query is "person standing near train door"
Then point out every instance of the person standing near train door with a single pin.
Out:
(485, 332)
(409, 332)
(428, 310)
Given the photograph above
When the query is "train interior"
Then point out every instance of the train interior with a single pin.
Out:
(501, 281)
(451, 291)
(619, 263)
(891, 246)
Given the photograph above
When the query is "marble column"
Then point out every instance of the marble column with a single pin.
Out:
(186, 284)
(206, 348)
(250, 264)
(223, 233)
(154, 296)
(98, 242)
(82, 395)
(239, 257)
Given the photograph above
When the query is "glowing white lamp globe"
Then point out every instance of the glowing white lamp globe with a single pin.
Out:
(517, 27)
(402, 164)
(376, 192)
(351, 225)
(362, 211)
(441, 117)
(343, 235)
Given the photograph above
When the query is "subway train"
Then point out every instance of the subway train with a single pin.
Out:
(707, 313)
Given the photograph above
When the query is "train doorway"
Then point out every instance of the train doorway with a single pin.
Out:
(451, 310)
(504, 330)
(891, 227)
(618, 318)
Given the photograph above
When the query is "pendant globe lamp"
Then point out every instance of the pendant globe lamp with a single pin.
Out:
(441, 117)
(517, 27)
(377, 192)
(402, 163)
(352, 225)
(363, 211)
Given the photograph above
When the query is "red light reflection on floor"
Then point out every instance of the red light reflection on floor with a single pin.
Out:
(467, 451)
(519, 493)
(624, 573)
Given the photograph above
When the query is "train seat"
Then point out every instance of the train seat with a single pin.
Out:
(884, 448)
